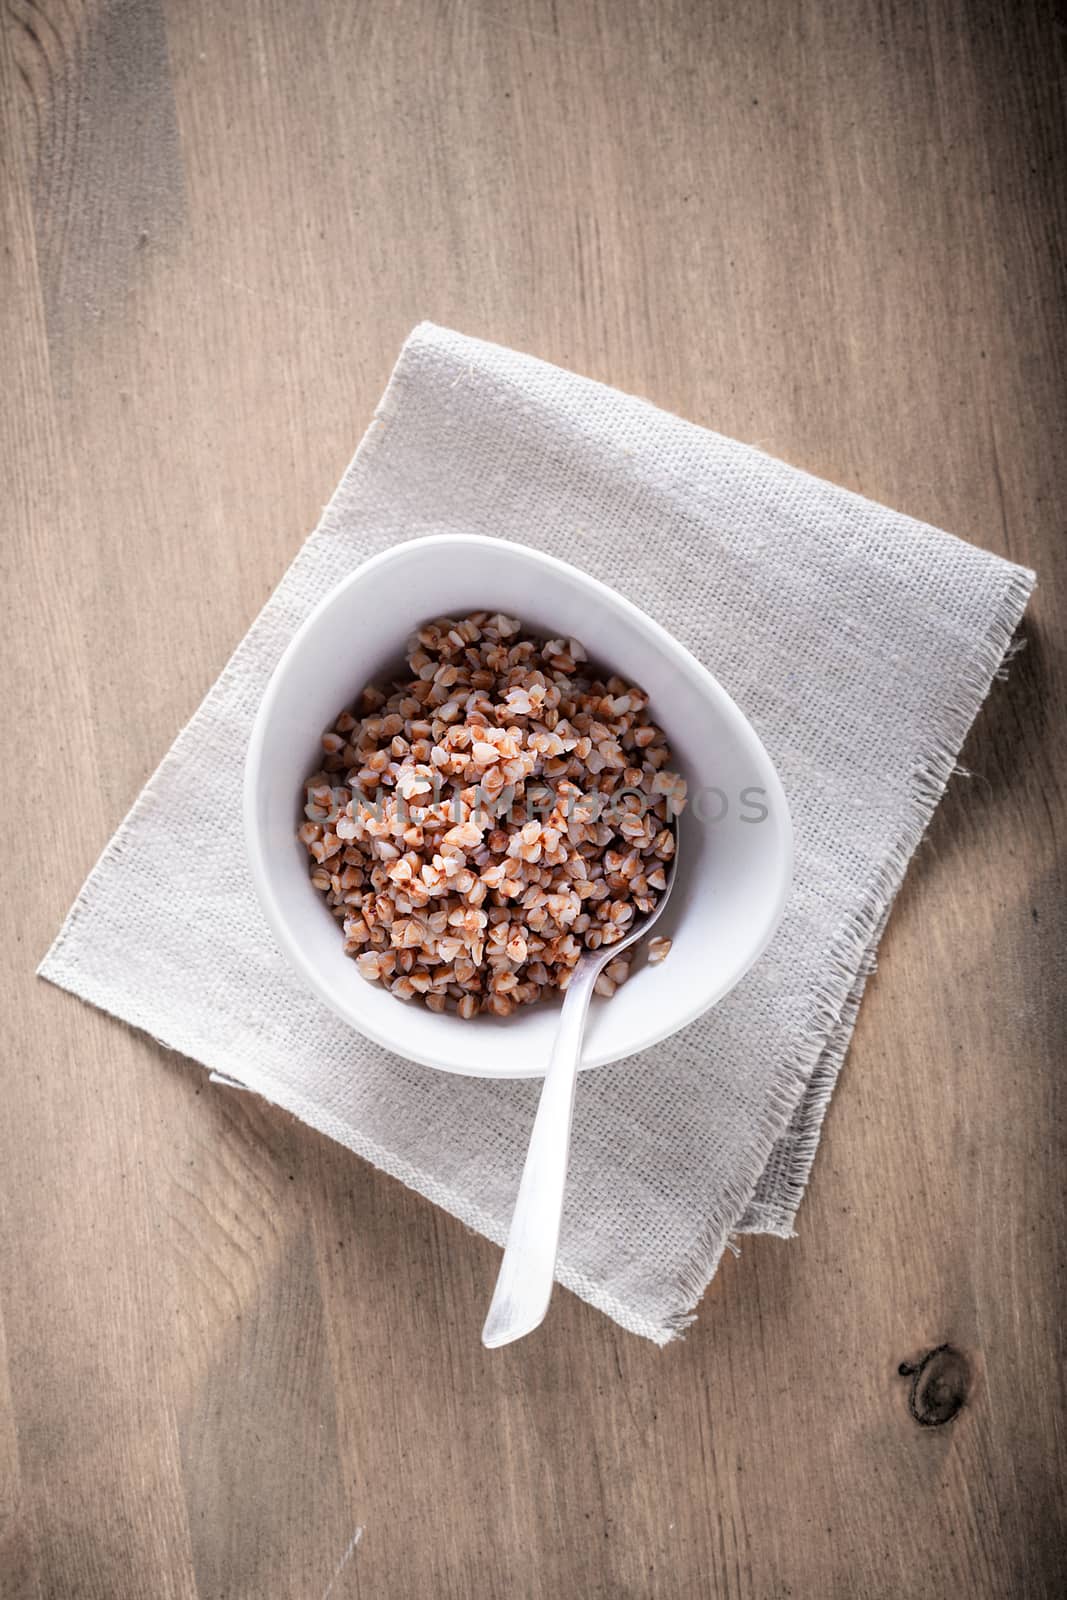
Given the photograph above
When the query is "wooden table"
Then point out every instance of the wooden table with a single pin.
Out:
(235, 1361)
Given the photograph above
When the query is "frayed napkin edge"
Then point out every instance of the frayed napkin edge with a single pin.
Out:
(825, 1041)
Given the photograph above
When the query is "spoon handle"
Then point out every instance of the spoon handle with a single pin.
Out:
(524, 1285)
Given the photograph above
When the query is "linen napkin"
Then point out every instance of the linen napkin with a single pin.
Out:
(859, 642)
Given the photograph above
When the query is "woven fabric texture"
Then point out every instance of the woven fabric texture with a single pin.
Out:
(859, 642)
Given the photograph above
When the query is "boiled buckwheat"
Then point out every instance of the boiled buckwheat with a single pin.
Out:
(484, 817)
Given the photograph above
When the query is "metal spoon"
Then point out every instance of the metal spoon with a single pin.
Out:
(524, 1284)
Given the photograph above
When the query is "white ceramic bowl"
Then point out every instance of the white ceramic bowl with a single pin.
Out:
(734, 873)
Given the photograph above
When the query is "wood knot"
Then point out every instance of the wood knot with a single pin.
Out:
(939, 1385)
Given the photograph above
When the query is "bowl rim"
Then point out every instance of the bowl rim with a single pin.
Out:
(656, 634)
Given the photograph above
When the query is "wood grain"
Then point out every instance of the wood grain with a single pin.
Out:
(235, 1361)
